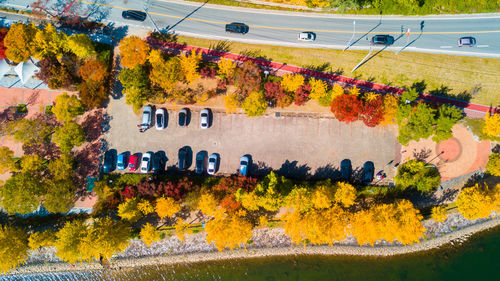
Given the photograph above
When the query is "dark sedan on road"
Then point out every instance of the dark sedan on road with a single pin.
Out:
(382, 39)
(467, 42)
(237, 27)
(134, 15)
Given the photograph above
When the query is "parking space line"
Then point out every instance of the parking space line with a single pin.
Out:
(445, 47)
(482, 46)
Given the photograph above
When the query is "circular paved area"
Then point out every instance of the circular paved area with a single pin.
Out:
(449, 150)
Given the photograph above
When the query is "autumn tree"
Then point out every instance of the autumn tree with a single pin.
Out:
(81, 45)
(60, 197)
(273, 91)
(19, 42)
(228, 231)
(493, 165)
(294, 227)
(38, 240)
(182, 229)
(415, 123)
(345, 194)
(390, 110)
(226, 68)
(69, 135)
(492, 125)
(418, 175)
(129, 211)
(231, 103)
(7, 162)
(95, 71)
(67, 107)
(323, 196)
(475, 202)
(255, 104)
(70, 241)
(105, 238)
(164, 73)
(14, 250)
(438, 213)
(62, 168)
(145, 207)
(326, 226)
(247, 79)
(302, 94)
(207, 204)
(49, 43)
(136, 86)
(292, 82)
(22, 193)
(3, 33)
(320, 92)
(373, 112)
(268, 194)
(299, 199)
(133, 51)
(448, 116)
(166, 207)
(189, 66)
(346, 108)
(29, 131)
(149, 234)
(337, 90)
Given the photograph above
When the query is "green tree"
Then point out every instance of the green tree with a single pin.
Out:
(134, 77)
(19, 42)
(70, 240)
(60, 197)
(14, 250)
(29, 131)
(105, 238)
(81, 45)
(415, 124)
(448, 117)
(21, 193)
(69, 135)
(7, 162)
(137, 97)
(493, 165)
(416, 174)
(49, 43)
(409, 96)
(67, 107)
(62, 168)
(255, 104)
(32, 164)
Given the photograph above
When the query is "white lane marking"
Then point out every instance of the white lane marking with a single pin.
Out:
(483, 46)
(445, 47)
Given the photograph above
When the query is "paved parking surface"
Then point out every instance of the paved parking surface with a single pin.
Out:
(296, 146)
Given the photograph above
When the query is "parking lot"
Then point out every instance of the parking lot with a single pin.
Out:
(296, 146)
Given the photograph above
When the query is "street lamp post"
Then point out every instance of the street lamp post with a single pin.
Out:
(352, 37)
(146, 8)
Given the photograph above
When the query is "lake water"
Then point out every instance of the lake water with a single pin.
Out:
(477, 259)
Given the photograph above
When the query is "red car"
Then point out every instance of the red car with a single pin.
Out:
(133, 162)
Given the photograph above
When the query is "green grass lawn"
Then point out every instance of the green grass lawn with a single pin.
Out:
(456, 76)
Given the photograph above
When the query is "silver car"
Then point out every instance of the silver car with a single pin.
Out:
(146, 162)
(147, 117)
(204, 116)
(467, 42)
(213, 161)
(160, 119)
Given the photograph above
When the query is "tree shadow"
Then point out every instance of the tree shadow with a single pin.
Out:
(222, 46)
(324, 67)
(326, 172)
(445, 91)
(92, 125)
(186, 16)
(422, 155)
(259, 169)
(294, 171)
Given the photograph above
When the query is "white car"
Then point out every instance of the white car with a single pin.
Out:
(160, 119)
(204, 116)
(146, 162)
(307, 36)
(212, 163)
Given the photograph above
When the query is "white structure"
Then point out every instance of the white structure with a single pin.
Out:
(26, 70)
(4, 68)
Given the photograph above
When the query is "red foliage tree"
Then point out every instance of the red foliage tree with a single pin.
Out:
(230, 204)
(228, 186)
(373, 112)
(174, 189)
(302, 94)
(207, 72)
(273, 91)
(347, 108)
(3, 32)
(247, 78)
(128, 192)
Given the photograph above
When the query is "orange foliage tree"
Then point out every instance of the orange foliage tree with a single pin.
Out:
(166, 207)
(134, 51)
(347, 108)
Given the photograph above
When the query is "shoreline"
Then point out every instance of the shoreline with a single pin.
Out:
(459, 235)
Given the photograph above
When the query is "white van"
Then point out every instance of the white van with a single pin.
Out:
(147, 117)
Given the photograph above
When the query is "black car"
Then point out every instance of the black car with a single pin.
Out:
(183, 117)
(134, 15)
(109, 162)
(382, 40)
(157, 166)
(368, 170)
(237, 27)
(201, 160)
(345, 169)
(467, 42)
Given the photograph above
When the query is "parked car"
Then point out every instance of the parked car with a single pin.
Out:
(204, 118)
(237, 27)
(382, 40)
(109, 162)
(122, 162)
(183, 117)
(467, 42)
(201, 159)
(212, 163)
(158, 163)
(134, 15)
(147, 117)
(161, 117)
(133, 162)
(182, 158)
(146, 162)
(345, 169)
(307, 36)
(368, 170)
(244, 162)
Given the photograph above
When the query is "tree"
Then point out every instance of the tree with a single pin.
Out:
(231, 103)
(493, 165)
(14, 250)
(322, 197)
(319, 92)
(105, 238)
(38, 240)
(55, 74)
(182, 229)
(294, 227)
(390, 110)
(19, 42)
(94, 70)
(29, 131)
(415, 123)
(32, 164)
(226, 68)
(492, 125)
(268, 194)
(149, 234)
(299, 199)
(255, 104)
(69, 135)
(207, 204)
(273, 91)
(145, 207)
(70, 240)
(136, 84)
(416, 174)
(373, 112)
(346, 108)
(134, 51)
(228, 231)
(3, 33)
(49, 43)
(302, 94)
(474, 202)
(60, 199)
(189, 66)
(128, 210)
(62, 168)
(408, 97)
(337, 90)
(438, 213)
(164, 73)
(21, 193)
(448, 117)
(326, 226)
(67, 107)
(81, 45)
(7, 162)
(292, 82)
(166, 207)
(247, 79)
(345, 194)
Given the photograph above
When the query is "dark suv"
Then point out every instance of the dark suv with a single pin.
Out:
(237, 27)
(382, 40)
(134, 15)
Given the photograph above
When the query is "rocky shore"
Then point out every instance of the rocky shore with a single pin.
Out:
(265, 243)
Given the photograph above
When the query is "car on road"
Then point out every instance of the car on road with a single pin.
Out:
(382, 39)
(146, 162)
(244, 162)
(133, 162)
(183, 116)
(157, 165)
(147, 117)
(368, 170)
(122, 162)
(201, 159)
(160, 120)
(134, 15)
(213, 161)
(109, 162)
(237, 27)
(467, 42)
(345, 169)
(307, 36)
(204, 118)
(182, 158)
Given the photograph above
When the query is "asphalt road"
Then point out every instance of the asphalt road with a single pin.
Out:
(439, 33)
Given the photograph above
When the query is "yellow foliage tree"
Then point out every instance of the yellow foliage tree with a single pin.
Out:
(163, 73)
(231, 103)
(255, 104)
(495, 196)
(299, 199)
(263, 221)
(19, 42)
(189, 66)
(493, 165)
(134, 51)
(182, 229)
(291, 82)
(474, 202)
(48, 42)
(337, 90)
(226, 68)
(322, 197)
(149, 234)
(319, 92)
(69, 241)
(438, 214)
(41, 239)
(128, 210)
(327, 225)
(166, 207)
(145, 207)
(354, 91)
(228, 231)
(250, 201)
(104, 239)
(492, 125)
(294, 227)
(371, 96)
(390, 110)
(207, 204)
(14, 249)
(345, 194)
